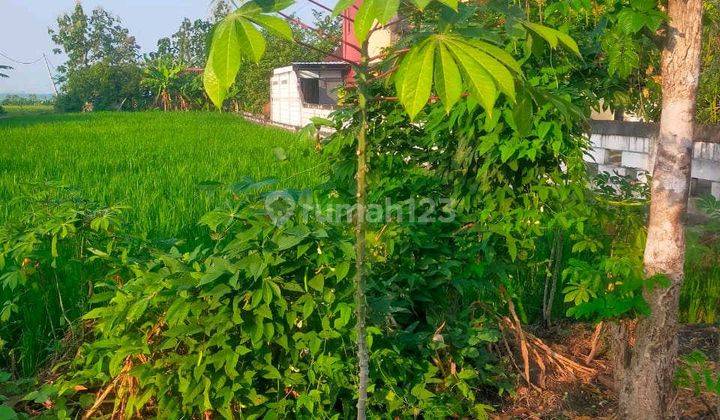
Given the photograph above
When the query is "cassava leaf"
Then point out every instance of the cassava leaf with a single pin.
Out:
(225, 56)
(546, 33)
(497, 70)
(453, 4)
(274, 24)
(448, 82)
(365, 18)
(480, 83)
(568, 42)
(499, 54)
(417, 78)
(251, 41)
(214, 89)
(388, 9)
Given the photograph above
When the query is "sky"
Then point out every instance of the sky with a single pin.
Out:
(24, 31)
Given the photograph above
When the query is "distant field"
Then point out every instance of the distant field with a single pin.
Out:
(24, 110)
(152, 161)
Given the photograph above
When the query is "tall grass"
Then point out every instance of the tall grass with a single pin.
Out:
(700, 296)
(152, 162)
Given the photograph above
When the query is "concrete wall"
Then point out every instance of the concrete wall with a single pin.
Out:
(286, 103)
(627, 147)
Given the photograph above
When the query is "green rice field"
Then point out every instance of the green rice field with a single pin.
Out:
(152, 162)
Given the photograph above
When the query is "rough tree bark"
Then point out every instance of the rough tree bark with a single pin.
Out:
(646, 391)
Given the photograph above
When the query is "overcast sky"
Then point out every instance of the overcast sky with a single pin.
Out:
(24, 25)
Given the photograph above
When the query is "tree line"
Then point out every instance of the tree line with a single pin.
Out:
(105, 70)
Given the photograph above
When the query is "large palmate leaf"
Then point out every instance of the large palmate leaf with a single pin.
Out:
(448, 82)
(415, 84)
(236, 38)
(452, 64)
(459, 63)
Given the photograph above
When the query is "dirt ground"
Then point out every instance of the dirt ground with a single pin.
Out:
(568, 397)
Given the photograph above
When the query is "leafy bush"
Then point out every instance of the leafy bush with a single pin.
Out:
(104, 87)
(46, 267)
(697, 373)
(259, 324)
(605, 277)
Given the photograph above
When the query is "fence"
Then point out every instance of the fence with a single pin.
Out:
(626, 148)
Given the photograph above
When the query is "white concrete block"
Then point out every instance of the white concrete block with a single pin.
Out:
(615, 142)
(637, 144)
(596, 141)
(648, 145)
(716, 152)
(635, 160)
(697, 150)
(596, 155)
(707, 151)
(706, 169)
(715, 190)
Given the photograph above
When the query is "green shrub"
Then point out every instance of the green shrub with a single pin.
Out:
(104, 86)
(260, 324)
(47, 266)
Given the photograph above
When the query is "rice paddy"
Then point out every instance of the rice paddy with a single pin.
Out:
(152, 162)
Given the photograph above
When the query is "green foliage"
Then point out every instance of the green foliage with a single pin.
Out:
(259, 322)
(700, 295)
(708, 98)
(605, 277)
(8, 389)
(44, 267)
(87, 40)
(254, 319)
(102, 87)
(187, 46)
(236, 37)
(151, 161)
(160, 77)
(483, 74)
(697, 374)
(31, 99)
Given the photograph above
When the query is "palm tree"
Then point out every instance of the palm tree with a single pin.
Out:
(4, 68)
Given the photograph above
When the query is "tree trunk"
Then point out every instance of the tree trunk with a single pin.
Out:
(647, 385)
(360, 229)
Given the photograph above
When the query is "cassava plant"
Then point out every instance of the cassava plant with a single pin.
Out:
(449, 63)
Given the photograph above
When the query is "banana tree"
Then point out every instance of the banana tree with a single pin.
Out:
(442, 64)
(160, 77)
